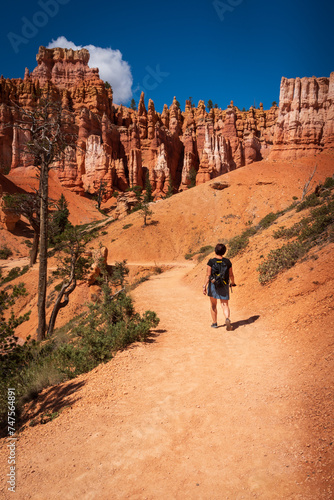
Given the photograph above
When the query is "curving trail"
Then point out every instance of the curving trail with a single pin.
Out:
(196, 413)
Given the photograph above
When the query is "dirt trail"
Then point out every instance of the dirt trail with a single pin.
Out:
(7, 265)
(196, 413)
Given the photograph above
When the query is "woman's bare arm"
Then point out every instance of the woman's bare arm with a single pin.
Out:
(232, 282)
(207, 278)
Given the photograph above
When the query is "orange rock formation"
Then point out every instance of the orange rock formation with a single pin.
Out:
(117, 145)
(305, 123)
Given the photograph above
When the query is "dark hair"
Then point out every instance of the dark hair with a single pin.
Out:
(220, 249)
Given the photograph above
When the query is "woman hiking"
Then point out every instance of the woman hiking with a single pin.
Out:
(219, 276)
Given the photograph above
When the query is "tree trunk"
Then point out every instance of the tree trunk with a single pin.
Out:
(66, 289)
(43, 249)
(34, 249)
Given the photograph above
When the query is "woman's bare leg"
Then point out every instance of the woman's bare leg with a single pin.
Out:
(226, 308)
(213, 310)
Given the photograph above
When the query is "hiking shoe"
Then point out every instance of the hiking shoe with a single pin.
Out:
(214, 325)
(228, 324)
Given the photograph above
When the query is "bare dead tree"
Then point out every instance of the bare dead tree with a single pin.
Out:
(46, 127)
(307, 184)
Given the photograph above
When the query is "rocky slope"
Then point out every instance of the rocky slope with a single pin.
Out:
(118, 146)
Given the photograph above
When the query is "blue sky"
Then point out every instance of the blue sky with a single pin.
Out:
(221, 50)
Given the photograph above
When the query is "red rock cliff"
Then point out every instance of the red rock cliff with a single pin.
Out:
(65, 68)
(118, 145)
(305, 123)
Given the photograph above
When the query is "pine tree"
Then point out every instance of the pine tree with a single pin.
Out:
(59, 219)
(100, 193)
(148, 188)
(192, 178)
(170, 190)
(145, 211)
(71, 266)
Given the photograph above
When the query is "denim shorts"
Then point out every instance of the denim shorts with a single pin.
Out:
(218, 292)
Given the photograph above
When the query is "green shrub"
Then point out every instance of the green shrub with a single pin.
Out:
(14, 273)
(237, 244)
(318, 223)
(329, 183)
(191, 177)
(144, 278)
(127, 226)
(5, 252)
(240, 242)
(89, 339)
(312, 200)
(250, 231)
(204, 251)
(290, 207)
(269, 219)
(38, 375)
(281, 232)
(315, 229)
(290, 232)
(281, 259)
(109, 326)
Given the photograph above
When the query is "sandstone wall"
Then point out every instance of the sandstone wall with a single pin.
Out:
(117, 145)
(305, 123)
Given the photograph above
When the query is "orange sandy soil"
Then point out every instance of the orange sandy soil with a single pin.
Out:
(199, 413)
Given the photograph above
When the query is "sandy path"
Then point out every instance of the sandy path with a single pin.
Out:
(197, 413)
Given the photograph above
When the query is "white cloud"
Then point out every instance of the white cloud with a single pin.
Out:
(111, 66)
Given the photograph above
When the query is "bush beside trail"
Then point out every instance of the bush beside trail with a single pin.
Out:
(312, 230)
(109, 325)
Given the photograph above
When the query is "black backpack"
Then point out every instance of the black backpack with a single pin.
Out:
(220, 274)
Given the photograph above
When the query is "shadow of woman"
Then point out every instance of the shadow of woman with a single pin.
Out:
(244, 322)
